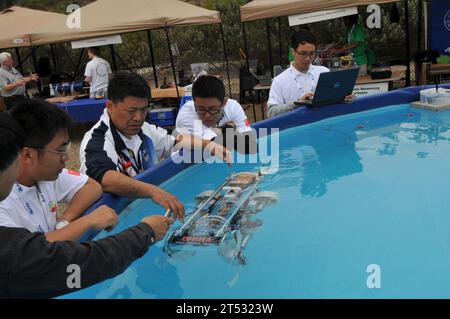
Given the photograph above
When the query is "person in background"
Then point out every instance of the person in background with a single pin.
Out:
(215, 114)
(97, 74)
(12, 83)
(299, 81)
(33, 267)
(355, 42)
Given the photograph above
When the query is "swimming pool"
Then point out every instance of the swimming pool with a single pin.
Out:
(361, 190)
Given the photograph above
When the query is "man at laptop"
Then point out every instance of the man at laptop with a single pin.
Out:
(299, 82)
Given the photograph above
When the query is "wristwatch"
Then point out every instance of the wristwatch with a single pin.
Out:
(61, 224)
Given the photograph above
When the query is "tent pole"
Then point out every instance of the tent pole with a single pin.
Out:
(245, 47)
(152, 57)
(69, 56)
(427, 23)
(248, 68)
(408, 55)
(226, 57)
(279, 39)
(419, 38)
(113, 57)
(171, 61)
(35, 65)
(55, 59)
(269, 43)
(19, 60)
(77, 66)
(427, 9)
(123, 62)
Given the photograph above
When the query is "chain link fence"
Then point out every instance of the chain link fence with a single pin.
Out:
(268, 45)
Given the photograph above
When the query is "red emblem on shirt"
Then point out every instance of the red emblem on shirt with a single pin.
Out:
(127, 164)
(73, 172)
(247, 123)
(53, 206)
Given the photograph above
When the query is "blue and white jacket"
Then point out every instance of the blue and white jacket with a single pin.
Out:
(103, 149)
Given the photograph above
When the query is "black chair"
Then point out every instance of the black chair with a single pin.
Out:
(43, 67)
(246, 84)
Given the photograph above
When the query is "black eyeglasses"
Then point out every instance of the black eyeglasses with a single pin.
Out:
(304, 54)
(213, 111)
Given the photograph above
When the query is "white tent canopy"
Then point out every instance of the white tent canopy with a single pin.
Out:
(17, 25)
(108, 17)
(263, 9)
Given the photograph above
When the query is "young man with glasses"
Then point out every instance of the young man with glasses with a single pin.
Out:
(300, 80)
(43, 181)
(33, 267)
(122, 145)
(210, 115)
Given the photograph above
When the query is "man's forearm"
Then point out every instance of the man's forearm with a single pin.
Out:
(277, 109)
(118, 184)
(11, 86)
(191, 142)
(73, 231)
(83, 199)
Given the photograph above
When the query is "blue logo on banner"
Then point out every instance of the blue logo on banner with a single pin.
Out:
(447, 20)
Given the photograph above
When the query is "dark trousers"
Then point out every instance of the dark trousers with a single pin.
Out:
(13, 100)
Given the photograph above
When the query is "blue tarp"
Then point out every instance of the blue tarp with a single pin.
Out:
(84, 110)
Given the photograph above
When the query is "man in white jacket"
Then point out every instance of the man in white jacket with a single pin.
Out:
(122, 145)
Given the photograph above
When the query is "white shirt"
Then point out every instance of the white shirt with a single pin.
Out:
(35, 207)
(189, 121)
(98, 69)
(291, 84)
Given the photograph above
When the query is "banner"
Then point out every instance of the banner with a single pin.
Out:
(440, 29)
(321, 16)
(370, 88)
(95, 42)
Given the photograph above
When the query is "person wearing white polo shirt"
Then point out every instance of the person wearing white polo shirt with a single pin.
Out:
(43, 182)
(97, 74)
(299, 81)
(210, 115)
(33, 267)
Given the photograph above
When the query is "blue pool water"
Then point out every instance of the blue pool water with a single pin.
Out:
(356, 190)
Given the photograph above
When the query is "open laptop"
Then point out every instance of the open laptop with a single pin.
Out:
(332, 87)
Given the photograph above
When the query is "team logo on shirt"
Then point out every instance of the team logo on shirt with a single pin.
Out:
(73, 172)
(247, 123)
(53, 206)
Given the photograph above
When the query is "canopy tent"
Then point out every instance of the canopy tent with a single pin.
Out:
(109, 17)
(262, 9)
(17, 25)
